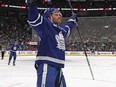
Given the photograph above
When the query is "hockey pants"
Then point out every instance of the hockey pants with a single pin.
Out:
(12, 54)
(49, 76)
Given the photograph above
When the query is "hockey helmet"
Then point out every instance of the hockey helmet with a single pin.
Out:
(50, 11)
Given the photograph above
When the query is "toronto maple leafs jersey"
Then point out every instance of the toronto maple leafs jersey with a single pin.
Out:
(51, 49)
(14, 48)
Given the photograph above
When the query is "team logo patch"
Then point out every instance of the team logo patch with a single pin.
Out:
(60, 41)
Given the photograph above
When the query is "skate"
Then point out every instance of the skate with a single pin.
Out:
(8, 63)
(13, 63)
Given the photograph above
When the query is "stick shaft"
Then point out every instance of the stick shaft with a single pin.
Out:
(82, 41)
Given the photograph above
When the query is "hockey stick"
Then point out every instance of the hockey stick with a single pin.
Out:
(81, 41)
(60, 78)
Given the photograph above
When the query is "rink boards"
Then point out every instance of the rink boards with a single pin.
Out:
(68, 53)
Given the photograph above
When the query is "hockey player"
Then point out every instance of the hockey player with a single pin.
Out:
(3, 52)
(13, 49)
(51, 52)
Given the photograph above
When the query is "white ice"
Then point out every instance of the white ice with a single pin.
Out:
(77, 72)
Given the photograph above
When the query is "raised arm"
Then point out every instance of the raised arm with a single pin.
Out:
(34, 17)
(70, 25)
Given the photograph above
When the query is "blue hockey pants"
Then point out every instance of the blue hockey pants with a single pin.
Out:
(49, 76)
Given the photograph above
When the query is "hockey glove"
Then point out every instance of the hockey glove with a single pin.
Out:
(73, 18)
(29, 2)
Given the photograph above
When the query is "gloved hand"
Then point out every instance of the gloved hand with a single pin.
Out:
(29, 2)
(74, 17)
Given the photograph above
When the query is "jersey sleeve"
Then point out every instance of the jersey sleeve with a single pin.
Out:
(34, 17)
(35, 20)
(67, 29)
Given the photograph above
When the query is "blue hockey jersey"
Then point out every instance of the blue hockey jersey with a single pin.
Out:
(14, 48)
(52, 38)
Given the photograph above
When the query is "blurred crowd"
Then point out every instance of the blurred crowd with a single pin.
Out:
(98, 33)
(14, 29)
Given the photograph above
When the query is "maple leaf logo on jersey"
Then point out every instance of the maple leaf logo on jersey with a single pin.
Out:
(60, 41)
(14, 48)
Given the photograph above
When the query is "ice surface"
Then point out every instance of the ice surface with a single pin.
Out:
(76, 72)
